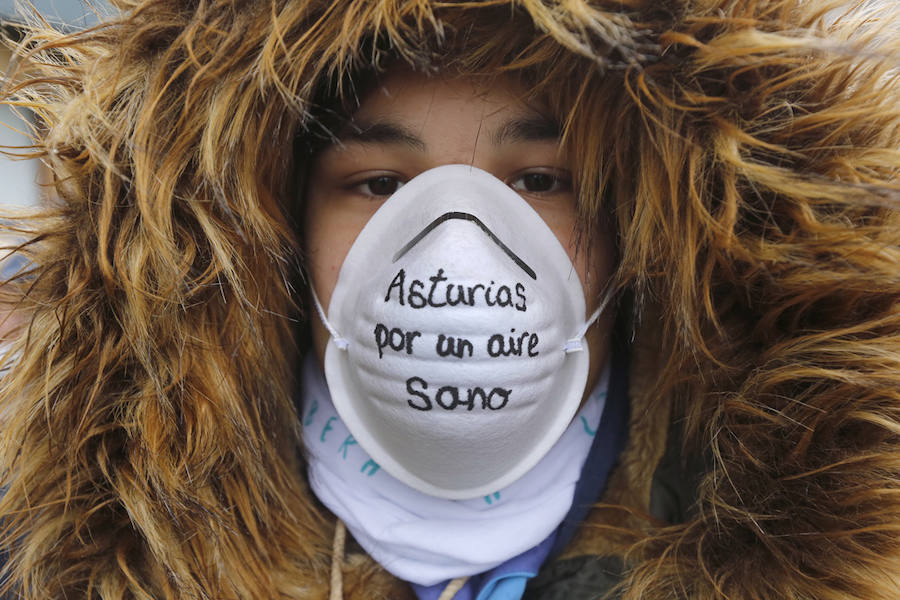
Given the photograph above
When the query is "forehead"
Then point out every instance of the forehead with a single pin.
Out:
(445, 99)
(424, 111)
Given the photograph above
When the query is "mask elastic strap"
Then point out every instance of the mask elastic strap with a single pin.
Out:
(576, 343)
(339, 341)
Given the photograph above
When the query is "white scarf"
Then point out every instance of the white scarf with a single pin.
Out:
(423, 539)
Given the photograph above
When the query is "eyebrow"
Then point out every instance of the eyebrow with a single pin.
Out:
(528, 129)
(382, 132)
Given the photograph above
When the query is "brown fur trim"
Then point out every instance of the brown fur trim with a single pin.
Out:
(747, 150)
(363, 579)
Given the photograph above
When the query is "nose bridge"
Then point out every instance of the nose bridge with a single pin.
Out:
(461, 135)
(460, 149)
(472, 151)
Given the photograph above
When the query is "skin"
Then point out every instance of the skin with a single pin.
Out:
(411, 123)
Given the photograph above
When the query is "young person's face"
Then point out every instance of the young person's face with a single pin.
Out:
(411, 123)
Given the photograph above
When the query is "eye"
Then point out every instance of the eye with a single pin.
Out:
(381, 185)
(540, 182)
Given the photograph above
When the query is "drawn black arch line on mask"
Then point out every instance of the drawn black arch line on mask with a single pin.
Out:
(464, 216)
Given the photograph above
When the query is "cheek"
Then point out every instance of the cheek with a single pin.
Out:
(328, 234)
(594, 263)
(594, 258)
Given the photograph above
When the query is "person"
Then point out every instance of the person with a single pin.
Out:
(475, 300)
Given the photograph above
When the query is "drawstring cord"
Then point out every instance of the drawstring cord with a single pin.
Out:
(337, 557)
(454, 586)
(337, 576)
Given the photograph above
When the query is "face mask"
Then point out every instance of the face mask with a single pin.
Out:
(457, 356)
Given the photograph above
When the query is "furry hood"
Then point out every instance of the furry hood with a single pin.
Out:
(747, 151)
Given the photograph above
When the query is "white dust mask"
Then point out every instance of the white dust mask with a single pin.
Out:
(457, 356)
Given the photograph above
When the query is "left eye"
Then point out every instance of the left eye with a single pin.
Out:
(382, 185)
(539, 183)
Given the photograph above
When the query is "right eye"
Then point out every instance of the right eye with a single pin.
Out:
(380, 186)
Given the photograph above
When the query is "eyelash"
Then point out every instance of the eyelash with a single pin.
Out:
(365, 187)
(561, 182)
